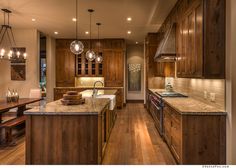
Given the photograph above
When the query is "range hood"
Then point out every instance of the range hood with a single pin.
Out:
(166, 52)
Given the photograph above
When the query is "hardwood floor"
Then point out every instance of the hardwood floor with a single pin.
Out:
(134, 140)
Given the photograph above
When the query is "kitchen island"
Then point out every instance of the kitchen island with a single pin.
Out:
(58, 134)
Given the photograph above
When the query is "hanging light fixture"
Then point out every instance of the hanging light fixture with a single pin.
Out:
(98, 58)
(90, 54)
(8, 48)
(76, 46)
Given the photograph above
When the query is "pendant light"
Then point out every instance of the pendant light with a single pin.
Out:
(98, 58)
(90, 54)
(76, 46)
(9, 50)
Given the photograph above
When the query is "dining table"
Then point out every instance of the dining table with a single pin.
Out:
(20, 105)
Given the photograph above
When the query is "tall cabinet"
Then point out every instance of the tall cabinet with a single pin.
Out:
(65, 64)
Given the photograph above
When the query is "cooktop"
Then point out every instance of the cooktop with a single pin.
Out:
(170, 94)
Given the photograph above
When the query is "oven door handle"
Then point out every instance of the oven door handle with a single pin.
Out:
(153, 103)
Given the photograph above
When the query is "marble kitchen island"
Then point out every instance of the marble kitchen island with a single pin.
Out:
(58, 134)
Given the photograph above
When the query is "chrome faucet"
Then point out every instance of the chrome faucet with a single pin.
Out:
(95, 91)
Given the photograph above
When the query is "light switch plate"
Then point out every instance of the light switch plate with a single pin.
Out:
(213, 97)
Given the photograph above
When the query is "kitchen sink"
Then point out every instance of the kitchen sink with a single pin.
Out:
(100, 95)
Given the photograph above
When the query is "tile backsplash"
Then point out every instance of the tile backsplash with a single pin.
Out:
(88, 81)
(195, 88)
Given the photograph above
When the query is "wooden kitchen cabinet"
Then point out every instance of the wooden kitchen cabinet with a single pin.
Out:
(65, 65)
(113, 68)
(165, 69)
(69, 66)
(195, 138)
(172, 131)
(201, 39)
(85, 68)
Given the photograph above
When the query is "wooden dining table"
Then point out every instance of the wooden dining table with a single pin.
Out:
(21, 105)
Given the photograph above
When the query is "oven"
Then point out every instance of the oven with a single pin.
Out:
(156, 110)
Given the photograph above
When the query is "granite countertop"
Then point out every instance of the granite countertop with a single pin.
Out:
(190, 106)
(90, 107)
(87, 87)
(88, 93)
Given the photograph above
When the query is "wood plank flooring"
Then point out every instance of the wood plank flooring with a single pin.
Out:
(134, 140)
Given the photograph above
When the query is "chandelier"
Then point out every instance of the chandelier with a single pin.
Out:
(8, 48)
(76, 46)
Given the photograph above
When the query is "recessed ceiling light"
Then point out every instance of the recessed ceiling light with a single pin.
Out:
(33, 19)
(129, 32)
(136, 42)
(55, 32)
(74, 19)
(129, 18)
(86, 32)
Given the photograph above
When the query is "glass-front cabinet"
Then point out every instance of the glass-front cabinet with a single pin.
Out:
(85, 68)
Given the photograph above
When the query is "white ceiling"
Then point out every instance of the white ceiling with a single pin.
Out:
(56, 15)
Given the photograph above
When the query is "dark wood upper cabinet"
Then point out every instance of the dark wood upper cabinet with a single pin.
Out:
(201, 40)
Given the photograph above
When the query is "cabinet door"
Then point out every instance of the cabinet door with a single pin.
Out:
(65, 68)
(167, 125)
(190, 43)
(176, 134)
(113, 68)
(199, 40)
(179, 52)
(85, 68)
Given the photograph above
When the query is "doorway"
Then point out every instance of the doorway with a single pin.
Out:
(43, 64)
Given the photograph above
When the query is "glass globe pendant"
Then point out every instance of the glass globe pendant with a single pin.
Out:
(76, 47)
(99, 59)
(90, 55)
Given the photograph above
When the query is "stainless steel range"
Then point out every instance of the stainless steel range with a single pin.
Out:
(157, 105)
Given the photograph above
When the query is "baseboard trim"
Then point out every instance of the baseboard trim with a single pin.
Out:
(134, 101)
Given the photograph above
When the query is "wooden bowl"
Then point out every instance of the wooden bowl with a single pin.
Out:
(71, 92)
(72, 97)
(72, 102)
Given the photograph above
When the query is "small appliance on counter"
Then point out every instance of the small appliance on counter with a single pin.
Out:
(169, 87)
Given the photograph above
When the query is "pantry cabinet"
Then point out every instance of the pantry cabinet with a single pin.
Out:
(113, 67)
